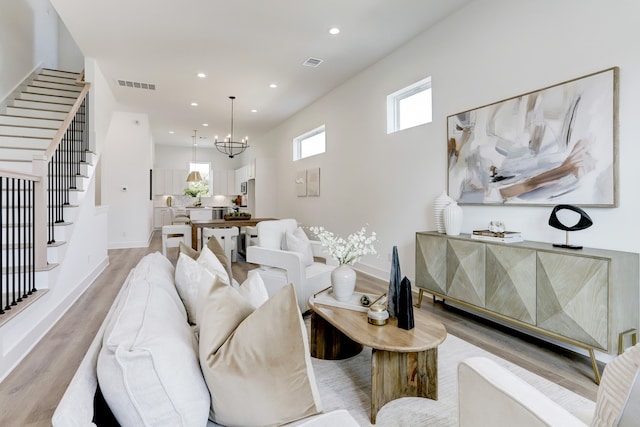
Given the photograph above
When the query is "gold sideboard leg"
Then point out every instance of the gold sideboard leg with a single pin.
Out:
(420, 294)
(594, 364)
(634, 339)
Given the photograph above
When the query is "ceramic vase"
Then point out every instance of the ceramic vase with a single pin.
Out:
(343, 279)
(439, 204)
(452, 216)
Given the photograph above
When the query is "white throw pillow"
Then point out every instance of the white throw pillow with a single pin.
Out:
(208, 260)
(190, 278)
(253, 289)
(299, 242)
(148, 367)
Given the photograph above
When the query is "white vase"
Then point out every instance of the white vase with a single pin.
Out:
(439, 204)
(343, 279)
(452, 216)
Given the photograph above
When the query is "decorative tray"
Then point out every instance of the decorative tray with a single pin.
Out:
(326, 298)
(237, 217)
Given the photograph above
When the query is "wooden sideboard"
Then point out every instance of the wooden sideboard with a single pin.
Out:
(588, 298)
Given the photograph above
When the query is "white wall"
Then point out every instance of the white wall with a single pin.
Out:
(490, 50)
(126, 160)
(28, 39)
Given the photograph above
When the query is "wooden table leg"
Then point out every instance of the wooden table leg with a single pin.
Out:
(194, 237)
(395, 375)
(327, 342)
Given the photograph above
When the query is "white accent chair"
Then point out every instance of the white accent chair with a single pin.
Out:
(172, 235)
(279, 267)
(228, 239)
(491, 395)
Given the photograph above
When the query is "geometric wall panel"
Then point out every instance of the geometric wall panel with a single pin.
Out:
(511, 282)
(465, 271)
(573, 297)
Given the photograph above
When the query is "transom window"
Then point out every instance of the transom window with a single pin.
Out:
(410, 106)
(309, 144)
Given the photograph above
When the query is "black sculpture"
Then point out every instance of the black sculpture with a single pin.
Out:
(394, 284)
(584, 222)
(405, 306)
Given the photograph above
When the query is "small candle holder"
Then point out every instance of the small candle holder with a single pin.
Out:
(377, 315)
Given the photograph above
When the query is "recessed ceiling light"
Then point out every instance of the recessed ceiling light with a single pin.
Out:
(334, 31)
(205, 124)
(273, 85)
(194, 104)
(254, 111)
(202, 75)
(171, 132)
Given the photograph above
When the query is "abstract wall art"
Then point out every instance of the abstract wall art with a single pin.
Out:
(556, 145)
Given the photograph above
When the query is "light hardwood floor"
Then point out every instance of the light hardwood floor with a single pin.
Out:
(30, 394)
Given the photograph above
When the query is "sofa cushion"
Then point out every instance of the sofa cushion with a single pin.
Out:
(148, 368)
(297, 241)
(209, 261)
(256, 359)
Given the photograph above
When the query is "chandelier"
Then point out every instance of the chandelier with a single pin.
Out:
(228, 146)
(194, 176)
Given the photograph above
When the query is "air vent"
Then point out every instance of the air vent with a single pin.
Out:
(136, 85)
(312, 62)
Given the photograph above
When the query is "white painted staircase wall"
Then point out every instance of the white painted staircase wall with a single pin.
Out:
(28, 125)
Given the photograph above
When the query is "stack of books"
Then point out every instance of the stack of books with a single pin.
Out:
(504, 237)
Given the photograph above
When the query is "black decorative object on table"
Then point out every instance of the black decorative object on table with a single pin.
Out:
(394, 284)
(405, 305)
(584, 222)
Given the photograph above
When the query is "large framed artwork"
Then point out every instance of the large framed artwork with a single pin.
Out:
(556, 145)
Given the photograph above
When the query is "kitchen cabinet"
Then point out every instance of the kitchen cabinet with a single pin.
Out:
(161, 217)
(586, 298)
(169, 181)
(224, 182)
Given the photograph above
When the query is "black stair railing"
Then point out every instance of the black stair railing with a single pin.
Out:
(65, 167)
(31, 205)
(17, 234)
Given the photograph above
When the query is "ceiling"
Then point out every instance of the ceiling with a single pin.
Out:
(242, 46)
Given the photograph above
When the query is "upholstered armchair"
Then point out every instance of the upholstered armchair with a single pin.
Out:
(490, 395)
(286, 255)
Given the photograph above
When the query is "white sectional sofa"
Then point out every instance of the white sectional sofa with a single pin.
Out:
(146, 354)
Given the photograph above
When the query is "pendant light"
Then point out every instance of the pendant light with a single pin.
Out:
(228, 146)
(194, 176)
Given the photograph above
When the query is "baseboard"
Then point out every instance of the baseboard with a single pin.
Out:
(45, 323)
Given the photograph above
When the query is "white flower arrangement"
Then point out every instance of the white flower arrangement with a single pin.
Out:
(349, 250)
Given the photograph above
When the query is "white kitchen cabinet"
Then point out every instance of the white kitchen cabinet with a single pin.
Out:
(161, 216)
(169, 181)
(231, 182)
(179, 181)
(251, 170)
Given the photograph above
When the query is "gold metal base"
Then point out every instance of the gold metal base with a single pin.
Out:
(377, 322)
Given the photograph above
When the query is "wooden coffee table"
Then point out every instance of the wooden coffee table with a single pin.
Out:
(403, 363)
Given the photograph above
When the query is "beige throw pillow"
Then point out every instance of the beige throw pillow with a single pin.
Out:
(256, 363)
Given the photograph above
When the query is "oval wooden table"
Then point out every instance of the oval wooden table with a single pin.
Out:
(403, 363)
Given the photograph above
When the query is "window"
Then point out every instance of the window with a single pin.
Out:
(199, 189)
(309, 144)
(409, 107)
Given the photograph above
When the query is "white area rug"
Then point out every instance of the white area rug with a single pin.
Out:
(346, 384)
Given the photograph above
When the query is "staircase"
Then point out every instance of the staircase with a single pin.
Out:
(45, 167)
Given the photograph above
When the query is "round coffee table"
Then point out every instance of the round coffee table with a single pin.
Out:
(404, 363)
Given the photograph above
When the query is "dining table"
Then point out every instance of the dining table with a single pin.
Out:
(221, 223)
